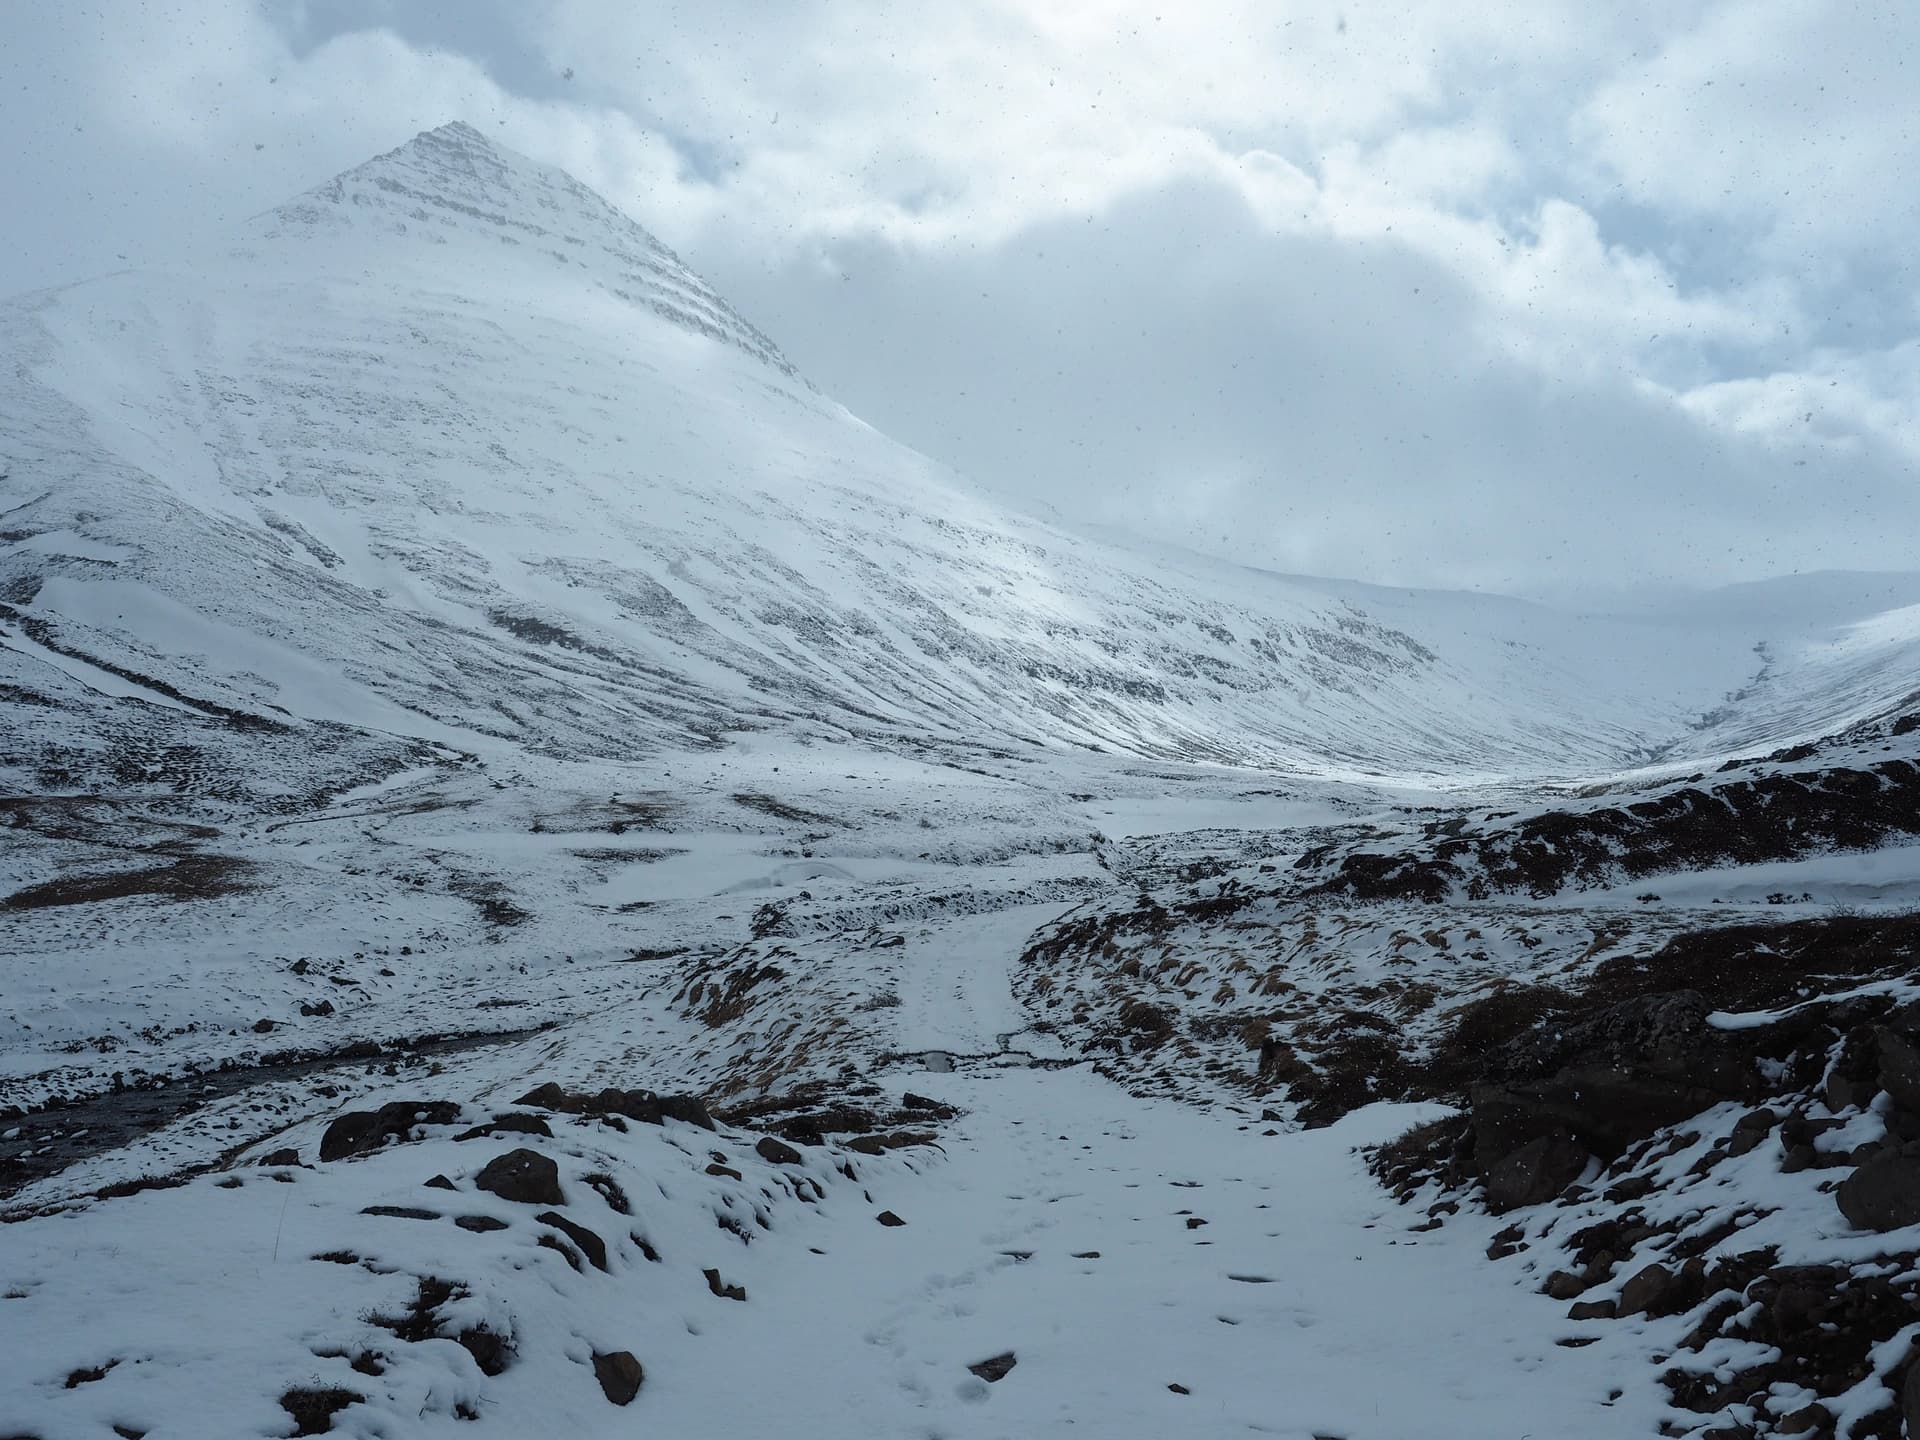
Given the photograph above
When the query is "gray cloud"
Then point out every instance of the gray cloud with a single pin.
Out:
(1307, 402)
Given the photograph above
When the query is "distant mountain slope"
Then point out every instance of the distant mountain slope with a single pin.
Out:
(449, 449)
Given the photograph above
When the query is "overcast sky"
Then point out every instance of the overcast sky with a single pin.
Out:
(1501, 295)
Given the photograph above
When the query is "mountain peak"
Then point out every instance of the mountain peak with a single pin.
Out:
(453, 187)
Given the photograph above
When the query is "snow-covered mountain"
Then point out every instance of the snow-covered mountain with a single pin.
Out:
(458, 678)
(450, 448)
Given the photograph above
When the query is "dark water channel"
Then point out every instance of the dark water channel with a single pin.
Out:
(45, 1142)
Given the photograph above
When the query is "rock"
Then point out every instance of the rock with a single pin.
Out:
(1798, 1158)
(591, 1245)
(1647, 1291)
(479, 1224)
(401, 1212)
(938, 1109)
(776, 1152)
(1179, 1389)
(1537, 1171)
(545, 1097)
(1807, 1420)
(887, 1217)
(1751, 1128)
(508, 1125)
(995, 1368)
(1803, 1295)
(619, 1374)
(364, 1131)
(313, 1409)
(1899, 1068)
(1841, 1092)
(1563, 1285)
(263, 1027)
(287, 1156)
(726, 1172)
(1593, 1310)
(440, 1182)
(1910, 1397)
(524, 1176)
(723, 1290)
(1883, 1194)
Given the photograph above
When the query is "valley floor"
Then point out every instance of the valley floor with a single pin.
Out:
(1119, 1203)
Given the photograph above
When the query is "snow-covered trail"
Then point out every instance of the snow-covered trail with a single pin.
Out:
(1059, 1230)
(954, 982)
(1062, 1227)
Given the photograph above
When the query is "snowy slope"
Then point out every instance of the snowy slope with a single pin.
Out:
(448, 447)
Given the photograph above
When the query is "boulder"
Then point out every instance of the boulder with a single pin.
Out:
(524, 1176)
(1807, 1420)
(619, 1374)
(1563, 1285)
(776, 1152)
(1537, 1171)
(364, 1131)
(508, 1125)
(1883, 1194)
(1899, 1068)
(1751, 1128)
(591, 1245)
(1647, 1291)
(995, 1368)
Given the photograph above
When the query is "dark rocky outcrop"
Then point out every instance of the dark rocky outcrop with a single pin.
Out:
(1692, 826)
(364, 1131)
(1573, 1087)
(642, 1105)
